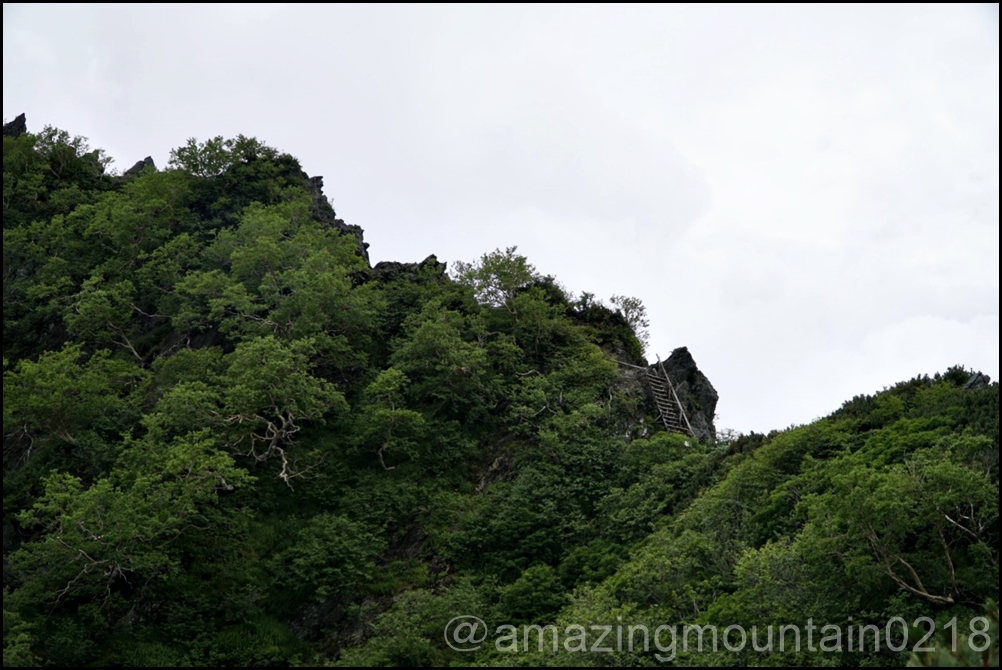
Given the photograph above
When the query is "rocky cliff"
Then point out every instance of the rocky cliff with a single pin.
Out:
(323, 211)
(695, 392)
(16, 128)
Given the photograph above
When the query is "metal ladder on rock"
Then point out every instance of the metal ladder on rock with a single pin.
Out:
(671, 412)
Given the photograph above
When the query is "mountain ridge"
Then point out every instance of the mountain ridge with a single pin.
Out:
(229, 439)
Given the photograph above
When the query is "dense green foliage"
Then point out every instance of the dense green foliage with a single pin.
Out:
(229, 441)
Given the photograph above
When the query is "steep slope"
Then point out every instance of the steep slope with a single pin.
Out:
(230, 440)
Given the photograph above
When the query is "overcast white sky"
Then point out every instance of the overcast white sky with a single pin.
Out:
(806, 197)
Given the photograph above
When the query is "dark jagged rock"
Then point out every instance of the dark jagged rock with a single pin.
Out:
(634, 419)
(978, 381)
(323, 212)
(695, 392)
(16, 128)
(320, 207)
(392, 271)
(138, 168)
(93, 158)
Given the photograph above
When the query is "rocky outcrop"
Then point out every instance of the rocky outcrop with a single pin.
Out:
(978, 381)
(323, 212)
(695, 392)
(388, 271)
(138, 168)
(16, 128)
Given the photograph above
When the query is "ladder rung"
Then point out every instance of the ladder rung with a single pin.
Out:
(670, 410)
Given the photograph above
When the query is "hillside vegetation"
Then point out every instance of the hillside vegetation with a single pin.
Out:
(229, 440)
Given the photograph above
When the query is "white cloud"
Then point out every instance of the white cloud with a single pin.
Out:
(807, 197)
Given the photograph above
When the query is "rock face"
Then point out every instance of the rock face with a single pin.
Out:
(430, 267)
(978, 381)
(323, 212)
(16, 128)
(138, 168)
(695, 392)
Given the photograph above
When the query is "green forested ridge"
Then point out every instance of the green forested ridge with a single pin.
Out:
(228, 440)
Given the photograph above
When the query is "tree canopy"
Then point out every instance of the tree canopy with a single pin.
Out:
(228, 440)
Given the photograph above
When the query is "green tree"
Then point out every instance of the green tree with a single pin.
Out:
(257, 406)
(924, 523)
(534, 597)
(330, 556)
(216, 155)
(385, 424)
(17, 639)
(66, 397)
(497, 277)
(635, 313)
(451, 375)
(120, 529)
